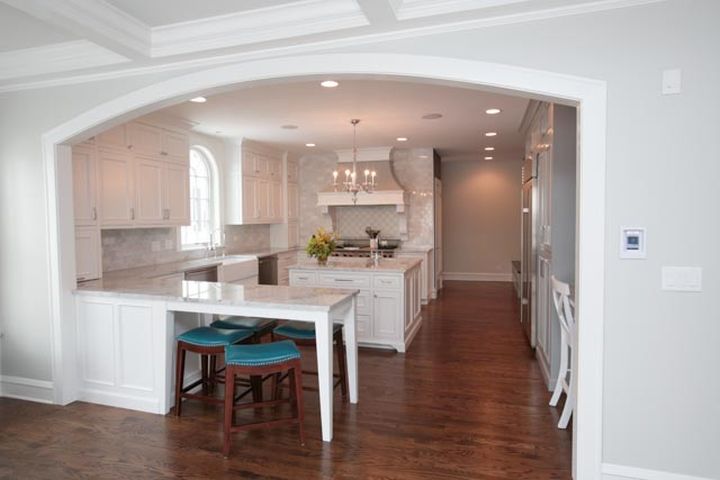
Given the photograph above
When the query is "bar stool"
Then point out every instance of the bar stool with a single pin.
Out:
(259, 360)
(206, 341)
(303, 334)
(564, 383)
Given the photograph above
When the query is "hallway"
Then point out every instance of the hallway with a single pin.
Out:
(466, 401)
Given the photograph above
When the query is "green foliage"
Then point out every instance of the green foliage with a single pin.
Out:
(321, 245)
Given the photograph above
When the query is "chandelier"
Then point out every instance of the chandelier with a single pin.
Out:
(351, 185)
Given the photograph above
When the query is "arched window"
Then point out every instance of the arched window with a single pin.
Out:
(204, 225)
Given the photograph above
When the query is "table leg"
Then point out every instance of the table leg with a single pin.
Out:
(351, 350)
(324, 346)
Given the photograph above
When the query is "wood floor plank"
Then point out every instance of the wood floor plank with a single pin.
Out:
(467, 401)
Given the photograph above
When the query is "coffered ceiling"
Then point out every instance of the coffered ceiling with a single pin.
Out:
(52, 42)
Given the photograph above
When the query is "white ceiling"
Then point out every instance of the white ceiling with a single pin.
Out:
(123, 38)
(387, 108)
(163, 12)
(19, 30)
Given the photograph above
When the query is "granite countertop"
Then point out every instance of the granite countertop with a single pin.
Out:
(214, 293)
(387, 265)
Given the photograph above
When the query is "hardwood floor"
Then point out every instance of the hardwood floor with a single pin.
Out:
(465, 402)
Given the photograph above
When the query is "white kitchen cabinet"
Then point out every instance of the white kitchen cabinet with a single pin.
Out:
(113, 138)
(88, 261)
(84, 163)
(293, 171)
(175, 146)
(262, 199)
(149, 191)
(177, 194)
(251, 211)
(145, 139)
(275, 210)
(293, 202)
(116, 184)
(388, 303)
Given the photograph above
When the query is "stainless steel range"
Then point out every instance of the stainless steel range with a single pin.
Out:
(360, 247)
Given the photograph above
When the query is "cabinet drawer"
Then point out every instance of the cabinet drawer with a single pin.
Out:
(387, 281)
(347, 280)
(303, 278)
(364, 302)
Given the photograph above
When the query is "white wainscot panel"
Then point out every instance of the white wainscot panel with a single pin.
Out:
(135, 347)
(98, 346)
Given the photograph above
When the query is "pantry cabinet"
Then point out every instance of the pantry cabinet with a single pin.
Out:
(116, 188)
(88, 264)
(84, 166)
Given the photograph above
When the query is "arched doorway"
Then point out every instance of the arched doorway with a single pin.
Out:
(589, 95)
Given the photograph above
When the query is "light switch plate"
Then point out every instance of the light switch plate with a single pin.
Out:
(682, 279)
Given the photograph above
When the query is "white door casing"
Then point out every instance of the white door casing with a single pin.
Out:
(588, 94)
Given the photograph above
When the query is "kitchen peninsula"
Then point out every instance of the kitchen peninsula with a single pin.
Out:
(389, 298)
(127, 328)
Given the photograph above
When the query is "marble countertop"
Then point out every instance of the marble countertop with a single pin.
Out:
(214, 293)
(386, 265)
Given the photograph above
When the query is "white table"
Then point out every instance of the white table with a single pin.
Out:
(137, 319)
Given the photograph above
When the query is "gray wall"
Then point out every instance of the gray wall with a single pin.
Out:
(481, 215)
(662, 389)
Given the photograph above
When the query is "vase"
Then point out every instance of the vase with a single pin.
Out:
(322, 260)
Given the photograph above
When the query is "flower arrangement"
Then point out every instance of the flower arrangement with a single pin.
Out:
(321, 245)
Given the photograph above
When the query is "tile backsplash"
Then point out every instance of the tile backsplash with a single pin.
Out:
(352, 221)
(137, 247)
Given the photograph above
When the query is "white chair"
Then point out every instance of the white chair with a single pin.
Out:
(564, 307)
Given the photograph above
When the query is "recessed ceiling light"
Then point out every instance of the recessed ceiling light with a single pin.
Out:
(401, 139)
(490, 134)
(488, 158)
(289, 127)
(309, 144)
(489, 149)
(431, 116)
(493, 111)
(329, 84)
(198, 100)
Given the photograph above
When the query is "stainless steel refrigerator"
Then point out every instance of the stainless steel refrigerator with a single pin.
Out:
(528, 247)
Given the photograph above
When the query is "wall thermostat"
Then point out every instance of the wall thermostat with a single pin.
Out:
(632, 242)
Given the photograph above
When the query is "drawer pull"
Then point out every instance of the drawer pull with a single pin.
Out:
(343, 279)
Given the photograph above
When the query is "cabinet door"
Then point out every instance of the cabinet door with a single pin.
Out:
(293, 171)
(116, 188)
(262, 166)
(543, 307)
(248, 164)
(177, 194)
(145, 139)
(276, 202)
(262, 199)
(544, 160)
(251, 214)
(387, 314)
(87, 254)
(275, 170)
(149, 191)
(293, 204)
(84, 185)
(176, 147)
(115, 137)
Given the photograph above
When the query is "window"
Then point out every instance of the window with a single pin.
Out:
(204, 214)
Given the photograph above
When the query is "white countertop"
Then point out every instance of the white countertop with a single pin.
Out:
(215, 293)
(385, 265)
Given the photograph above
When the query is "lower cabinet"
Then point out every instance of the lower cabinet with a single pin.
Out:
(388, 306)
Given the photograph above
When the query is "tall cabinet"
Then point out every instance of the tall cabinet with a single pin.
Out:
(133, 175)
(551, 146)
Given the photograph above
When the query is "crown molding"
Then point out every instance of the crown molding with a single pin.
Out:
(94, 20)
(58, 57)
(409, 9)
(316, 46)
(259, 25)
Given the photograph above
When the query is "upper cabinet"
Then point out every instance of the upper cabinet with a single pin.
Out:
(133, 175)
(256, 181)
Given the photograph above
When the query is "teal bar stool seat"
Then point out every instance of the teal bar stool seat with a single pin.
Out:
(272, 359)
(303, 334)
(258, 326)
(207, 342)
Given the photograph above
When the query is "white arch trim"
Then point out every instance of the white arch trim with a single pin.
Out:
(589, 94)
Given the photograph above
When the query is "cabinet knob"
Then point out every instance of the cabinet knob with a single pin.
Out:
(130, 147)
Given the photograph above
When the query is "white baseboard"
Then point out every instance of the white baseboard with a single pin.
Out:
(118, 400)
(477, 277)
(622, 472)
(28, 389)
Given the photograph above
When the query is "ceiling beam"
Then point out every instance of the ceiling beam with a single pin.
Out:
(93, 20)
(380, 12)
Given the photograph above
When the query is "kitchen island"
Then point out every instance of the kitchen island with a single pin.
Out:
(389, 298)
(127, 328)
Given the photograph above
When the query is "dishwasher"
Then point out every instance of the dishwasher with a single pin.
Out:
(267, 270)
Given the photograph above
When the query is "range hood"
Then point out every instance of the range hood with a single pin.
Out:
(388, 190)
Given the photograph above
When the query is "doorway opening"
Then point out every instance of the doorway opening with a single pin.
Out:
(588, 94)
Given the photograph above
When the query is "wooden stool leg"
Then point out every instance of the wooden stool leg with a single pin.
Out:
(340, 349)
(299, 409)
(212, 374)
(205, 375)
(229, 401)
(179, 376)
